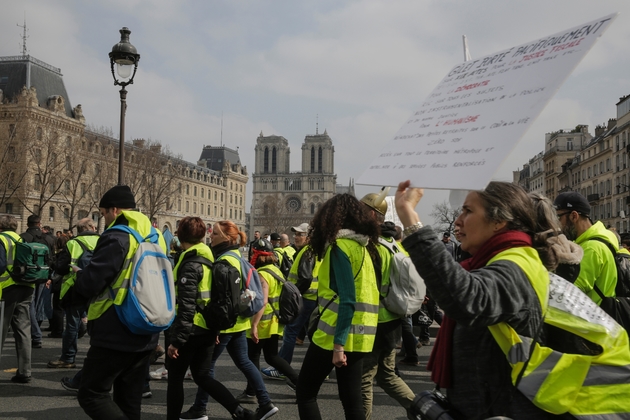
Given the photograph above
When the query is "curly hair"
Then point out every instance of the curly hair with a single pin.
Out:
(342, 211)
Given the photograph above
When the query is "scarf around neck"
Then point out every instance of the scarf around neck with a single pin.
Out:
(441, 359)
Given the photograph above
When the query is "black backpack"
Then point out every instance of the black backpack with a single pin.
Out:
(85, 257)
(622, 262)
(286, 263)
(222, 310)
(290, 301)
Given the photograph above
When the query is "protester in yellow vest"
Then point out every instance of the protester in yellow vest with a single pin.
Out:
(67, 257)
(17, 299)
(380, 363)
(492, 300)
(225, 239)
(266, 330)
(191, 342)
(116, 355)
(344, 238)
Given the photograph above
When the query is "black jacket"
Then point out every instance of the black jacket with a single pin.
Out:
(34, 234)
(305, 270)
(107, 331)
(189, 274)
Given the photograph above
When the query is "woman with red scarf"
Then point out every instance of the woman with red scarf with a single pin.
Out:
(466, 360)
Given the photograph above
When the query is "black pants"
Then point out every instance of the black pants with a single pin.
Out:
(56, 322)
(196, 353)
(125, 371)
(317, 365)
(269, 346)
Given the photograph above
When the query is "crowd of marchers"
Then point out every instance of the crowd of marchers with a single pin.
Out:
(532, 302)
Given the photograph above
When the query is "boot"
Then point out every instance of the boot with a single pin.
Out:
(243, 414)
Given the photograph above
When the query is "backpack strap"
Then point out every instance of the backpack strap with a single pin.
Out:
(614, 252)
(199, 259)
(231, 253)
(9, 236)
(393, 248)
(81, 244)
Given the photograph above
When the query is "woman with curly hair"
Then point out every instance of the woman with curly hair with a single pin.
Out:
(344, 238)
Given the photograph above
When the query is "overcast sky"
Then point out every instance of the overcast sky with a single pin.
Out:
(363, 67)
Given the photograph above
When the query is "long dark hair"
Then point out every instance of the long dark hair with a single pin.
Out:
(342, 211)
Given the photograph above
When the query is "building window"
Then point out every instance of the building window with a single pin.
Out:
(312, 159)
(266, 160)
(194, 208)
(319, 160)
(187, 206)
(195, 191)
(51, 213)
(187, 189)
(179, 205)
(273, 161)
(8, 208)
(202, 193)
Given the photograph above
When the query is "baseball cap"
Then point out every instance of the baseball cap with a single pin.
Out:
(303, 228)
(572, 201)
(275, 237)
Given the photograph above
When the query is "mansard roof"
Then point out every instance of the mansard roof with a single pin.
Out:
(19, 71)
(215, 157)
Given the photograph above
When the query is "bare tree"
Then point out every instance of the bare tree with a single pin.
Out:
(13, 168)
(444, 216)
(43, 153)
(157, 177)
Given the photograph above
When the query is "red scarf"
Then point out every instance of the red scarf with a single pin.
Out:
(441, 359)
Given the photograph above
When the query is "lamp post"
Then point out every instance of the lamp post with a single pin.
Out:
(124, 55)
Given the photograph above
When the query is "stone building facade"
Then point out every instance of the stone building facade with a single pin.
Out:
(597, 167)
(51, 165)
(282, 198)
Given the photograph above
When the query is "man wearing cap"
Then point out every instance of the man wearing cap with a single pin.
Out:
(116, 357)
(304, 274)
(380, 363)
(251, 245)
(597, 269)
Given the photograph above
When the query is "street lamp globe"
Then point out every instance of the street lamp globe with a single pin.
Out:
(126, 58)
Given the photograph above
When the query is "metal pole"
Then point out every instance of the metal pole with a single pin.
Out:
(121, 147)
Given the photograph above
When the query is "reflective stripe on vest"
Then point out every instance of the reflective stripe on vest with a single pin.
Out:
(365, 318)
(384, 315)
(311, 293)
(140, 223)
(587, 386)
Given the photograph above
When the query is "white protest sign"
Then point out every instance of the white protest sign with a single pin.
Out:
(473, 119)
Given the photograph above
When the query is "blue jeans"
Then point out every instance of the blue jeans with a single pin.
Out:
(292, 330)
(71, 333)
(236, 344)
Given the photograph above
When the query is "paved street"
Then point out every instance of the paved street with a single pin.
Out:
(44, 398)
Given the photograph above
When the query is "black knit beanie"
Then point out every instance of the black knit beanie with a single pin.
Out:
(119, 196)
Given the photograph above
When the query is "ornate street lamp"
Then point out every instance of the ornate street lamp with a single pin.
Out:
(124, 55)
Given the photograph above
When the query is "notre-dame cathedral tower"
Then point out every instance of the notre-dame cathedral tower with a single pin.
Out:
(282, 198)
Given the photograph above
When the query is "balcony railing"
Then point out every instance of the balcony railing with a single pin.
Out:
(592, 197)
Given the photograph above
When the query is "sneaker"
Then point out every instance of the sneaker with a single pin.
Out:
(409, 362)
(426, 342)
(146, 392)
(21, 379)
(55, 335)
(243, 414)
(36, 344)
(266, 411)
(59, 364)
(161, 373)
(272, 373)
(299, 342)
(67, 384)
(188, 375)
(291, 385)
(194, 414)
(245, 398)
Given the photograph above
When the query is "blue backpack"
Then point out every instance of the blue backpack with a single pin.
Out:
(248, 304)
(149, 306)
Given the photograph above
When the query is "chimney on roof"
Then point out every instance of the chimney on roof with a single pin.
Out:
(139, 143)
